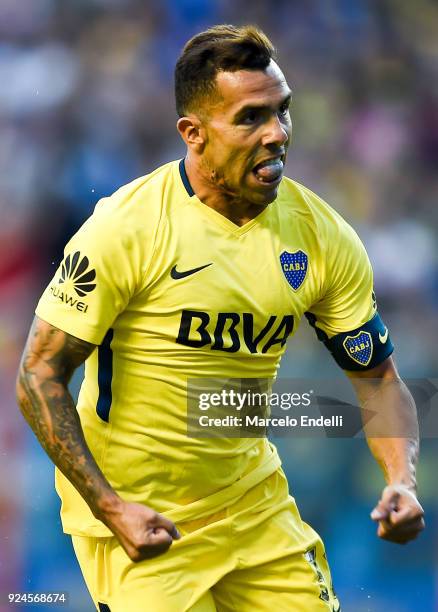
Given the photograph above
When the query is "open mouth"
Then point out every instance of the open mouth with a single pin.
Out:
(269, 171)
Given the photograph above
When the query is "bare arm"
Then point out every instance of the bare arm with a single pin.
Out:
(391, 428)
(49, 360)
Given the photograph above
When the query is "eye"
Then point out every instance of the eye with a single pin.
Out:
(250, 117)
(284, 109)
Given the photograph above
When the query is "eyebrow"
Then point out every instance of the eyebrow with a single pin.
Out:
(250, 107)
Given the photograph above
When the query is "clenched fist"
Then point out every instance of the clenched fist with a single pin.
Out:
(399, 515)
(141, 531)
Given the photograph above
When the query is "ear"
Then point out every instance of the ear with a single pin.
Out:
(192, 132)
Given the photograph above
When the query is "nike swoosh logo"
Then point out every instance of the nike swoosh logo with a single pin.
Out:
(383, 338)
(177, 275)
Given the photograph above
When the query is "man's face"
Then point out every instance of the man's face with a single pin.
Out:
(248, 132)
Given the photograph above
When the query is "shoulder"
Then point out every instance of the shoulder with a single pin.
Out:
(326, 222)
(131, 217)
(137, 208)
(143, 195)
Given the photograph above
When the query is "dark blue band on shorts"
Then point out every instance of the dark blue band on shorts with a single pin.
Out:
(103, 607)
(362, 348)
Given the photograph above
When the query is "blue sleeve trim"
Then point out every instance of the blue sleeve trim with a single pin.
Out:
(105, 376)
(363, 348)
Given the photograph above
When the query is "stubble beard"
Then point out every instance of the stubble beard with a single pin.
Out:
(217, 180)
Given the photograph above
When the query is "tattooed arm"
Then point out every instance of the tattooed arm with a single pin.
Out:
(49, 360)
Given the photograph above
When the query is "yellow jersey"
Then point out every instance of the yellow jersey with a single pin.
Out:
(169, 289)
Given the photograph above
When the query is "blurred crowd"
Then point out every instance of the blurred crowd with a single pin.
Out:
(86, 105)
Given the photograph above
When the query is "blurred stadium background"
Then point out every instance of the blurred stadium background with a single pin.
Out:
(86, 104)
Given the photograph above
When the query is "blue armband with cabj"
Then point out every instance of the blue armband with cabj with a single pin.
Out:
(360, 349)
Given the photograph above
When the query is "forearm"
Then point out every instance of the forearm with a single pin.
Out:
(50, 411)
(397, 457)
(49, 360)
(391, 428)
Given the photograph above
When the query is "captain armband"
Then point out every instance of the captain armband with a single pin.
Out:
(362, 348)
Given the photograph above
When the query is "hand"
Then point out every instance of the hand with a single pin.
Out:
(141, 531)
(399, 514)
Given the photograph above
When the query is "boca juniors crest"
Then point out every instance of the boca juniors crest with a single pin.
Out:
(359, 347)
(294, 266)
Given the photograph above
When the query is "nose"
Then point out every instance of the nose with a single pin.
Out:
(277, 131)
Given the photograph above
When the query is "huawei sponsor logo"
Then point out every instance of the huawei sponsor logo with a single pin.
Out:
(76, 275)
(69, 300)
(75, 268)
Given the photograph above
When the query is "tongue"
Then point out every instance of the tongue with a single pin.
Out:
(269, 171)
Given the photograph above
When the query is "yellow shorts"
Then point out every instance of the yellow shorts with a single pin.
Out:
(255, 556)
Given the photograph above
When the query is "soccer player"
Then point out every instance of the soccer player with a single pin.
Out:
(202, 269)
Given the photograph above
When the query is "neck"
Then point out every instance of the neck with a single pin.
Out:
(237, 210)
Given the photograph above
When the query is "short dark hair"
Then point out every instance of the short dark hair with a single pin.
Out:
(220, 48)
